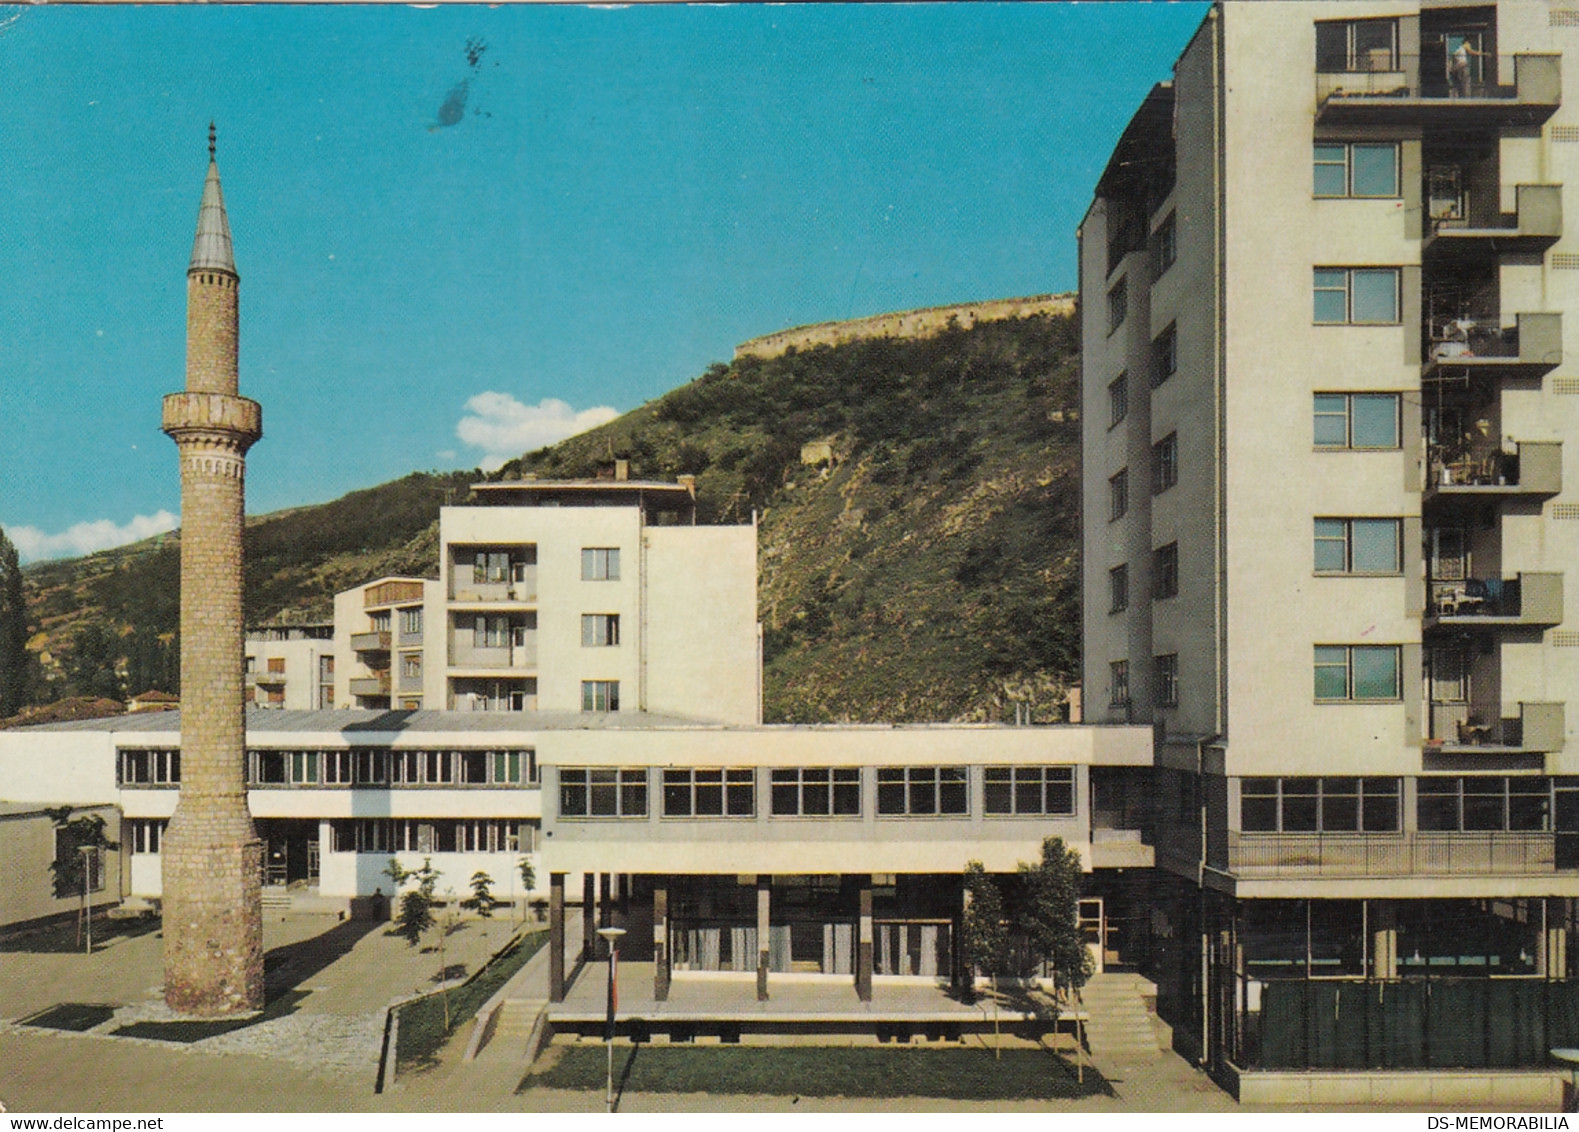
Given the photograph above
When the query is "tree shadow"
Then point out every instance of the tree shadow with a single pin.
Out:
(453, 971)
(292, 964)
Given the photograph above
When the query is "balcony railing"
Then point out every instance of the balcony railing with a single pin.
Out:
(1526, 599)
(377, 641)
(391, 593)
(1532, 469)
(1383, 86)
(1529, 348)
(1256, 855)
(375, 685)
(1457, 729)
(1535, 225)
(267, 677)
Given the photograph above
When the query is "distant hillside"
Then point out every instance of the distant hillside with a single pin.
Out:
(918, 500)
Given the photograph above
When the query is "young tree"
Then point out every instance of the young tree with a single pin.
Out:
(481, 900)
(13, 632)
(985, 939)
(1052, 913)
(416, 906)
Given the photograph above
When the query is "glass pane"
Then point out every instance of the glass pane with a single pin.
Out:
(785, 797)
(1375, 672)
(740, 801)
(709, 799)
(847, 798)
(1258, 815)
(890, 797)
(1375, 295)
(1340, 814)
(1027, 795)
(1332, 672)
(1332, 46)
(951, 798)
(923, 797)
(1380, 806)
(1299, 814)
(603, 801)
(1375, 546)
(1527, 811)
(1331, 546)
(1330, 179)
(1375, 418)
(814, 798)
(1332, 420)
(1375, 170)
(676, 796)
(1331, 293)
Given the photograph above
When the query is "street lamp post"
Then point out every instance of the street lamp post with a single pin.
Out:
(87, 902)
(611, 936)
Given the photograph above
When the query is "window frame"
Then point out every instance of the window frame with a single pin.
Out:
(600, 564)
(1000, 783)
(728, 793)
(1348, 416)
(600, 695)
(1165, 692)
(1165, 463)
(1118, 495)
(1346, 163)
(621, 785)
(1270, 795)
(1345, 540)
(1165, 355)
(1118, 588)
(837, 781)
(1117, 305)
(1167, 238)
(1118, 684)
(1118, 399)
(1347, 666)
(600, 630)
(915, 782)
(1460, 798)
(1347, 289)
(1165, 571)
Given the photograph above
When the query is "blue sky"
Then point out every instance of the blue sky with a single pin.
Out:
(449, 259)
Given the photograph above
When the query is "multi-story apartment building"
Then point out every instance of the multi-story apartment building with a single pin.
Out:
(1324, 283)
(290, 666)
(385, 637)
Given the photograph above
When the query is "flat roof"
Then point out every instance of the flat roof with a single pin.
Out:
(583, 485)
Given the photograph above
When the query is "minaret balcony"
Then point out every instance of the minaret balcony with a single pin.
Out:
(1384, 88)
(1531, 348)
(1535, 225)
(212, 412)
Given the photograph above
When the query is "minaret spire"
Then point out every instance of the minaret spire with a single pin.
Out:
(211, 249)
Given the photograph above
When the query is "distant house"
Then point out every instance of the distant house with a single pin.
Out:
(153, 701)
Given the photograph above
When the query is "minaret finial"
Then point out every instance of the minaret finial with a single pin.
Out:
(211, 141)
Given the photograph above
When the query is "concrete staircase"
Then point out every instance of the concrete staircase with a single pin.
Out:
(1122, 1029)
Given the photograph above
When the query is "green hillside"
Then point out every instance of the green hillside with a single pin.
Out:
(928, 571)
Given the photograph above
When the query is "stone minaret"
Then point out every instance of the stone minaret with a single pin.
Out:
(213, 924)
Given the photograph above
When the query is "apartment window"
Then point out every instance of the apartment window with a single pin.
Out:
(602, 792)
(337, 768)
(1117, 305)
(1484, 803)
(816, 792)
(411, 665)
(922, 791)
(1165, 463)
(1165, 356)
(411, 622)
(1357, 673)
(690, 792)
(1319, 805)
(1118, 399)
(509, 766)
(1356, 296)
(1359, 546)
(1356, 169)
(600, 695)
(1118, 589)
(378, 622)
(600, 629)
(1356, 420)
(600, 564)
(1356, 45)
(1118, 683)
(371, 768)
(151, 767)
(1167, 680)
(1118, 495)
(1025, 790)
(145, 834)
(473, 767)
(491, 566)
(277, 664)
(490, 632)
(1167, 241)
(1165, 571)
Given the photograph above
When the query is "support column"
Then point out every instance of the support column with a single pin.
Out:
(764, 901)
(589, 914)
(1384, 939)
(863, 947)
(660, 944)
(556, 937)
(1552, 955)
(605, 901)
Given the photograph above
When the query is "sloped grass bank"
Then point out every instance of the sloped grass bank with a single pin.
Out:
(422, 1030)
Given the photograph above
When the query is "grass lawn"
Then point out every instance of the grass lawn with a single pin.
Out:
(422, 1029)
(969, 1073)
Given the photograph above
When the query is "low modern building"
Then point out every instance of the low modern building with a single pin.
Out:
(35, 840)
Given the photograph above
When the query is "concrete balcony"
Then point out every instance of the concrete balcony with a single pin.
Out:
(267, 679)
(375, 685)
(370, 642)
(1270, 855)
(1535, 225)
(1387, 89)
(1533, 471)
(1536, 730)
(1530, 348)
(1523, 600)
(392, 593)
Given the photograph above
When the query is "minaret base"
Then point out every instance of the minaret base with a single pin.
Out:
(213, 915)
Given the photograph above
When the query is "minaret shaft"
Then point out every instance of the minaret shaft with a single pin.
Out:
(212, 858)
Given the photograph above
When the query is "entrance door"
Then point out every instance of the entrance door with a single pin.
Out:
(1093, 930)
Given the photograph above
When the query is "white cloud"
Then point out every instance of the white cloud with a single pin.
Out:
(85, 538)
(504, 428)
